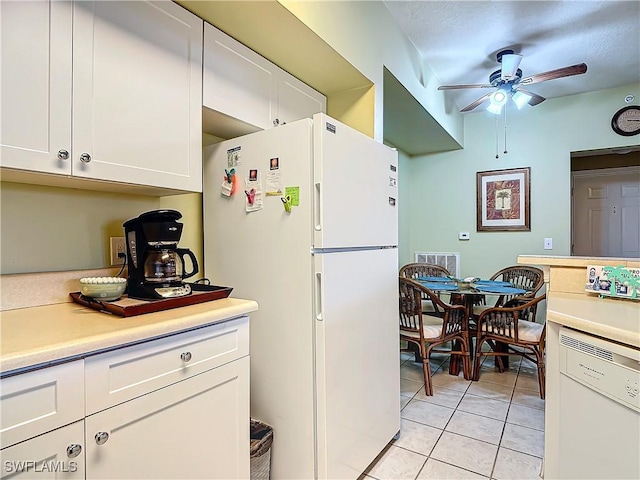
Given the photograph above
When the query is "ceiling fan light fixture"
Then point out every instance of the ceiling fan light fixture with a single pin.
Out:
(498, 98)
(495, 109)
(521, 99)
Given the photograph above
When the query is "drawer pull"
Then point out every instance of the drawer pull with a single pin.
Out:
(186, 356)
(74, 450)
(101, 437)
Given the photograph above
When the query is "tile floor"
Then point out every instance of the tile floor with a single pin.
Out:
(490, 429)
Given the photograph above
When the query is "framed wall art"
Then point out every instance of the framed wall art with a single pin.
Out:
(503, 200)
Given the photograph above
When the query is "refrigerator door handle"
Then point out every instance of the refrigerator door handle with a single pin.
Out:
(317, 221)
(318, 296)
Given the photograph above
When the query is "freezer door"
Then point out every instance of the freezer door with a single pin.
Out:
(355, 187)
(357, 367)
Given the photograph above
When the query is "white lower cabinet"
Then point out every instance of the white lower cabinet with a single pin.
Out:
(173, 407)
(196, 428)
(58, 454)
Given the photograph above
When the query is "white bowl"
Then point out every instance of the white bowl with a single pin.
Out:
(103, 288)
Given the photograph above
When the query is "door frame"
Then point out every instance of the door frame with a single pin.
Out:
(599, 172)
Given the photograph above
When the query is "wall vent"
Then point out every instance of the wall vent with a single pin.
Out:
(448, 260)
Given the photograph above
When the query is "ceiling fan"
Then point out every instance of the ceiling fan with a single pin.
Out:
(508, 83)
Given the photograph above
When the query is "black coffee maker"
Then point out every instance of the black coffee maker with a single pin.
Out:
(155, 263)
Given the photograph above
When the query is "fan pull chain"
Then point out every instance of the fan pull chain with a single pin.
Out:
(505, 129)
(497, 139)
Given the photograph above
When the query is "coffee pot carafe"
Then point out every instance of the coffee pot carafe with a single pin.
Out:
(156, 266)
(167, 265)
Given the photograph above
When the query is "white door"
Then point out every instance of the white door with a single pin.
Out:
(196, 428)
(357, 369)
(58, 454)
(606, 213)
(137, 93)
(36, 86)
(355, 188)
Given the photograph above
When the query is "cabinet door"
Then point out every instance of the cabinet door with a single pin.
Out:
(237, 81)
(58, 454)
(297, 100)
(35, 53)
(137, 93)
(195, 428)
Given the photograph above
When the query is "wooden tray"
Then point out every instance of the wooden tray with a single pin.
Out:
(129, 307)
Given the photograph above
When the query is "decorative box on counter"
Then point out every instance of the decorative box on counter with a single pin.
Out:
(621, 281)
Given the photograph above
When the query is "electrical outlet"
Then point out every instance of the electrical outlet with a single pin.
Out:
(117, 250)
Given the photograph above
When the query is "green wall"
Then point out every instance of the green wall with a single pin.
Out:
(438, 191)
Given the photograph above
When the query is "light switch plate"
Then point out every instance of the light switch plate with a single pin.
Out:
(463, 236)
(548, 243)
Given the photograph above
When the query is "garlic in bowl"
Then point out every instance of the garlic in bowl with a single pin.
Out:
(103, 288)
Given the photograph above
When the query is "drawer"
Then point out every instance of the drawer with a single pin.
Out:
(39, 401)
(115, 377)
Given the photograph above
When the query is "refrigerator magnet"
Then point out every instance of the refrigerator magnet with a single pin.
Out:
(229, 183)
(286, 201)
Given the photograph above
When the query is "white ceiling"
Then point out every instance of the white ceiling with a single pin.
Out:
(459, 41)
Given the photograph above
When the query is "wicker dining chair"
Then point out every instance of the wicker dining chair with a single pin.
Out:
(415, 270)
(525, 277)
(512, 329)
(426, 332)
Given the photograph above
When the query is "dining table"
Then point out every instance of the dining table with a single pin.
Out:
(469, 293)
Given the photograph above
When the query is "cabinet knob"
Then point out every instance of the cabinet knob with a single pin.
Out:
(63, 154)
(101, 438)
(74, 450)
(186, 356)
(276, 122)
(85, 158)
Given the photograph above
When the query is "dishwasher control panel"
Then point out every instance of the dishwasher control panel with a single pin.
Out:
(609, 368)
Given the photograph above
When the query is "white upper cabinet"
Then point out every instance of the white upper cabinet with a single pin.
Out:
(137, 73)
(122, 79)
(245, 86)
(35, 51)
(237, 81)
(297, 100)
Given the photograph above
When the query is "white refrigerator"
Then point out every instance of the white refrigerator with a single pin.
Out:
(324, 271)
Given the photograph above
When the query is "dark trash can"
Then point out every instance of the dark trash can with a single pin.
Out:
(261, 436)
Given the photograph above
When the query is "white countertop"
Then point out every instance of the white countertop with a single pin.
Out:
(50, 333)
(575, 261)
(611, 318)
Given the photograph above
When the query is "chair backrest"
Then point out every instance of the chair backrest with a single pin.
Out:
(522, 276)
(410, 307)
(504, 321)
(528, 278)
(415, 270)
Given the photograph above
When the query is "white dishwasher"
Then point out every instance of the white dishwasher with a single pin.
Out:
(599, 421)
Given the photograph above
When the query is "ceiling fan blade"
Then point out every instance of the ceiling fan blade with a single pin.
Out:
(535, 98)
(553, 74)
(477, 102)
(473, 85)
(510, 64)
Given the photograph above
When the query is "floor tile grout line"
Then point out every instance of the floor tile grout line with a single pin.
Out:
(463, 393)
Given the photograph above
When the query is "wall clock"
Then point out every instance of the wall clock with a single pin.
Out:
(626, 121)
